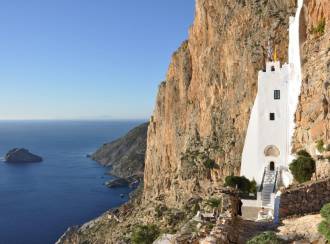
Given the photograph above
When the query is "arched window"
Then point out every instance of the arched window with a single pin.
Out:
(272, 151)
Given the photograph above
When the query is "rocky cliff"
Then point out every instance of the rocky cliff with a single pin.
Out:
(125, 156)
(312, 117)
(203, 107)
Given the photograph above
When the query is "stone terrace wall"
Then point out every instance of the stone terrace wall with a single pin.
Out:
(322, 169)
(305, 198)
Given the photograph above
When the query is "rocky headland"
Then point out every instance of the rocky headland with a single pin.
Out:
(196, 133)
(125, 156)
(21, 155)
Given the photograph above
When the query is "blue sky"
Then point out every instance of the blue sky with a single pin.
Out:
(83, 59)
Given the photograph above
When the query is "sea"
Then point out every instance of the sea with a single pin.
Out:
(39, 201)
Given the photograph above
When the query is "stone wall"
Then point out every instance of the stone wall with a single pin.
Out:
(305, 198)
(322, 169)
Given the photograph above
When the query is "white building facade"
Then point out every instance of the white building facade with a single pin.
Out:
(267, 143)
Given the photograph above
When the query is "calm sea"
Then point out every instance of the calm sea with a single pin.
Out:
(38, 202)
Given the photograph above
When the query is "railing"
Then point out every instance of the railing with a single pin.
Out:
(262, 182)
(275, 183)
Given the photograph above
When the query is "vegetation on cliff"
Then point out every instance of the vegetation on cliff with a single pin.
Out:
(268, 237)
(319, 28)
(144, 234)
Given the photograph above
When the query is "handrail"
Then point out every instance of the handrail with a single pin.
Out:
(276, 175)
(262, 182)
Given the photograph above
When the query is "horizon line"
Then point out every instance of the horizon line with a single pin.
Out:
(77, 119)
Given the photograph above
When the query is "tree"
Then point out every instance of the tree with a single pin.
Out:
(303, 167)
(239, 182)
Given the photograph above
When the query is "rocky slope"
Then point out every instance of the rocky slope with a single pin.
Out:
(203, 107)
(125, 155)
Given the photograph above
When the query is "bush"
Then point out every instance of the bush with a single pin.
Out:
(325, 212)
(320, 146)
(303, 167)
(145, 234)
(160, 210)
(324, 227)
(241, 182)
(319, 28)
(213, 202)
(253, 187)
(210, 164)
(268, 237)
(304, 153)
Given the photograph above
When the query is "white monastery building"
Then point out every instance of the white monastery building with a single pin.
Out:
(266, 145)
(267, 149)
(267, 142)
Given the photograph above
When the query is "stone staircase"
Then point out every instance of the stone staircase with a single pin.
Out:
(268, 187)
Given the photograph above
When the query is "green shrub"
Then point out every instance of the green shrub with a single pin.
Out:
(303, 167)
(320, 146)
(268, 237)
(145, 234)
(213, 202)
(324, 227)
(253, 187)
(319, 28)
(304, 153)
(209, 164)
(160, 210)
(240, 182)
(325, 211)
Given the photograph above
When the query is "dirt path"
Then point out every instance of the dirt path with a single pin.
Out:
(248, 228)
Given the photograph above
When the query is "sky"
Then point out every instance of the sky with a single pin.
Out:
(84, 59)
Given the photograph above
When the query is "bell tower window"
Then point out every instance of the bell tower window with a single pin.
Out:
(277, 94)
(272, 116)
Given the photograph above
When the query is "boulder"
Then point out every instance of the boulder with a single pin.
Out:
(21, 155)
(131, 182)
(119, 182)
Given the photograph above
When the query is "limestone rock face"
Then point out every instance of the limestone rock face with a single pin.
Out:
(203, 108)
(312, 116)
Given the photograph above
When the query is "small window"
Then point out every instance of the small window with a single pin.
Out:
(272, 68)
(277, 94)
(272, 116)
